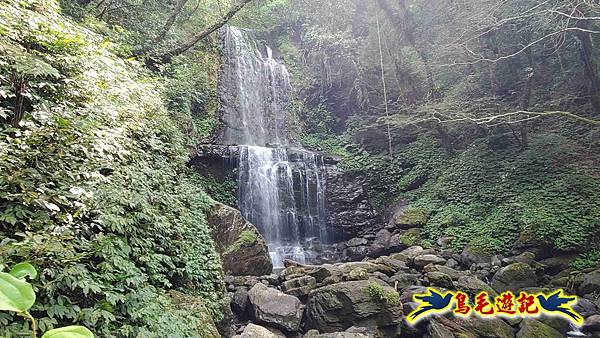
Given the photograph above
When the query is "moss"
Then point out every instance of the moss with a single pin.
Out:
(247, 238)
(411, 237)
(412, 217)
(378, 293)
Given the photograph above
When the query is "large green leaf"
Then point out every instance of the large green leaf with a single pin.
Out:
(69, 332)
(15, 294)
(22, 270)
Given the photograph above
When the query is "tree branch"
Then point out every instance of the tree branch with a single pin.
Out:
(165, 58)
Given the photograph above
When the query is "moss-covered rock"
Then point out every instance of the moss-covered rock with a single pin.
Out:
(195, 305)
(410, 217)
(514, 277)
(410, 237)
(531, 328)
(242, 248)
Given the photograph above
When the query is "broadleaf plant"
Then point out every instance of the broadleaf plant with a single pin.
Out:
(23, 270)
(15, 294)
(18, 296)
(69, 332)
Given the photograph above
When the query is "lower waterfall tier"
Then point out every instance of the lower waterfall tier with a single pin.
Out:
(284, 199)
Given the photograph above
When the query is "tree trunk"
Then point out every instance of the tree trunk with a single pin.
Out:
(591, 69)
(167, 27)
(20, 85)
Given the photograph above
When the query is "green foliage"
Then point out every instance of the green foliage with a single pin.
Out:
(378, 293)
(17, 295)
(587, 260)
(410, 238)
(191, 92)
(489, 196)
(69, 332)
(224, 190)
(95, 191)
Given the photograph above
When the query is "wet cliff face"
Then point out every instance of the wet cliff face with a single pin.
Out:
(347, 201)
(254, 90)
(347, 211)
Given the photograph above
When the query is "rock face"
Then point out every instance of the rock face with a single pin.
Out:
(347, 202)
(337, 307)
(275, 308)
(242, 249)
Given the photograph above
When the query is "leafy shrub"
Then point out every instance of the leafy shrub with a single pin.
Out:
(488, 197)
(587, 260)
(377, 292)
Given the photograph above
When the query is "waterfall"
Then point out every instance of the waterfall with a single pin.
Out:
(281, 189)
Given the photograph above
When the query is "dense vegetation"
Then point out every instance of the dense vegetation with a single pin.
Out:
(487, 127)
(94, 187)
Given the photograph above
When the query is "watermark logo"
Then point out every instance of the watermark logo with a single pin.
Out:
(505, 304)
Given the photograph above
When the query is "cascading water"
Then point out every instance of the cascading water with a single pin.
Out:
(283, 196)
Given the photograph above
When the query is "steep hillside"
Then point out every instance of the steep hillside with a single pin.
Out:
(94, 188)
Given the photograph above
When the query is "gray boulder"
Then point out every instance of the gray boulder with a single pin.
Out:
(243, 250)
(240, 301)
(341, 335)
(473, 285)
(300, 286)
(337, 307)
(436, 278)
(381, 243)
(590, 283)
(275, 308)
(403, 280)
(423, 260)
(592, 323)
(514, 277)
(256, 331)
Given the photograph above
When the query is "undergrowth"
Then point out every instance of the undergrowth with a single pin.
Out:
(94, 187)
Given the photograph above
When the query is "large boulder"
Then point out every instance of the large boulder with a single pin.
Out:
(337, 307)
(514, 277)
(195, 307)
(592, 323)
(381, 243)
(300, 286)
(422, 260)
(256, 331)
(485, 327)
(471, 327)
(243, 250)
(531, 328)
(471, 255)
(473, 285)
(340, 335)
(409, 217)
(590, 283)
(403, 280)
(275, 308)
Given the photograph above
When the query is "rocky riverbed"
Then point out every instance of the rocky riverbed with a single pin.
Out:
(370, 298)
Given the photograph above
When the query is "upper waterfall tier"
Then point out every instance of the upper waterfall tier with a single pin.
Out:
(255, 90)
